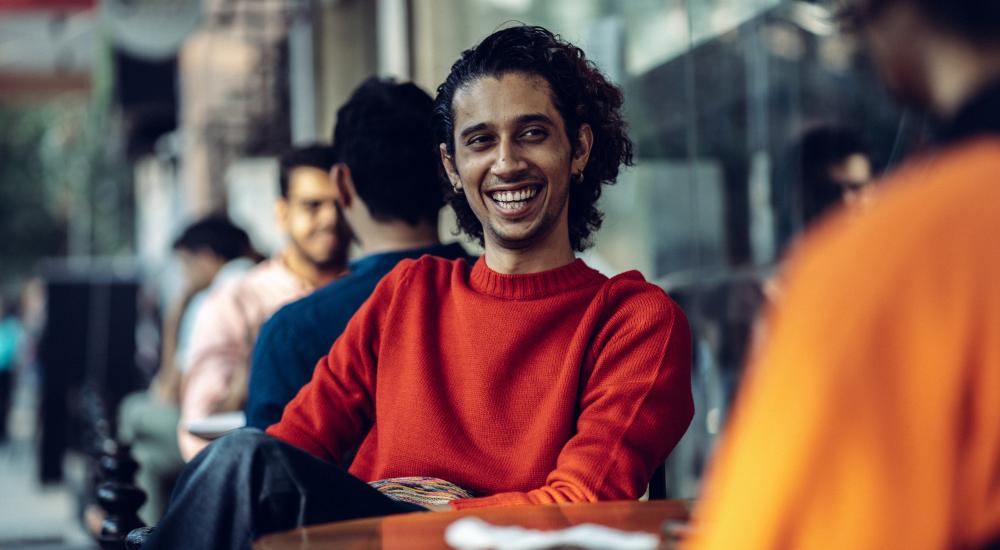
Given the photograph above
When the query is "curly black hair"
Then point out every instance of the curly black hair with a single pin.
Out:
(581, 94)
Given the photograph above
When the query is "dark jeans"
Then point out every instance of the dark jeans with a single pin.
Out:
(248, 484)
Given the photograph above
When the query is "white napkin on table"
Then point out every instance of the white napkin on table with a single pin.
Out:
(471, 533)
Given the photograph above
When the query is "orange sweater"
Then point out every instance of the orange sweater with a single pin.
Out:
(871, 418)
(560, 386)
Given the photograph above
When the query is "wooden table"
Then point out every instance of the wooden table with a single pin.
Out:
(425, 530)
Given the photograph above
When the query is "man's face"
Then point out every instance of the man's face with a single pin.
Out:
(893, 32)
(513, 159)
(311, 217)
(198, 267)
(853, 176)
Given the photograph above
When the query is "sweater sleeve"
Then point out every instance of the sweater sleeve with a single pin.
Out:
(331, 413)
(635, 404)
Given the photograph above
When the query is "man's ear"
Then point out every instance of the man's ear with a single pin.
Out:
(585, 142)
(340, 175)
(449, 167)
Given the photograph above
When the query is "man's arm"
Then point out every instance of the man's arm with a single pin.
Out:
(635, 406)
(219, 356)
(332, 413)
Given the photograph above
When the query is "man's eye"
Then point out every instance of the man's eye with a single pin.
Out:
(479, 141)
(535, 133)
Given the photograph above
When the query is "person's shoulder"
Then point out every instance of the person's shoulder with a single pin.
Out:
(292, 314)
(629, 293)
(266, 274)
(940, 206)
(933, 218)
(222, 293)
(954, 185)
(430, 262)
(319, 304)
(429, 268)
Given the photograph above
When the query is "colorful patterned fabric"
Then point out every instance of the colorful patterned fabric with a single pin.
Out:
(422, 491)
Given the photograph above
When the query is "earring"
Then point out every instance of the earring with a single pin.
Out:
(578, 177)
(457, 189)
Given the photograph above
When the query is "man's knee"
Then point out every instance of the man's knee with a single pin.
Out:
(228, 458)
(243, 440)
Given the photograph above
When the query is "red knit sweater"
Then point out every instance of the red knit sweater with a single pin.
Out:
(560, 386)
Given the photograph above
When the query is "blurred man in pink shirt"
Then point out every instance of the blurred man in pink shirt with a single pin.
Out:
(226, 326)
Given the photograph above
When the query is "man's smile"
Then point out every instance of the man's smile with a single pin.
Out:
(514, 202)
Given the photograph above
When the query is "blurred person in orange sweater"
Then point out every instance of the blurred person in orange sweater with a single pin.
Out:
(524, 378)
(870, 418)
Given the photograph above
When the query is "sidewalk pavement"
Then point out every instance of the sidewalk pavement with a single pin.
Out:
(32, 516)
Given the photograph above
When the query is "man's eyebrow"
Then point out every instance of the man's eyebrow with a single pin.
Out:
(471, 129)
(521, 121)
(535, 117)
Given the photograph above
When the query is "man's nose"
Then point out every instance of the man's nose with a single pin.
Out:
(509, 162)
(327, 213)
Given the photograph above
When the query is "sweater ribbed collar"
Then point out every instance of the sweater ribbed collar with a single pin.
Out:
(531, 286)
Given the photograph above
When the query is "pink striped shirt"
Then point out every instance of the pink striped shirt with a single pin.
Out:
(225, 328)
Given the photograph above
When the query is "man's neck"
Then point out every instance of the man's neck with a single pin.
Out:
(377, 237)
(553, 253)
(311, 273)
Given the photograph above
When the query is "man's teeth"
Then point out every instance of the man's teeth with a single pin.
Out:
(514, 196)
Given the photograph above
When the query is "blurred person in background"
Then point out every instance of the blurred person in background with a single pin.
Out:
(524, 378)
(836, 171)
(10, 340)
(870, 418)
(227, 324)
(210, 250)
(382, 138)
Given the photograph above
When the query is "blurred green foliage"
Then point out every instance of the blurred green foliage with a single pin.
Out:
(34, 183)
(63, 188)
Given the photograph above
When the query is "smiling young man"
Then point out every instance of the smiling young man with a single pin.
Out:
(525, 378)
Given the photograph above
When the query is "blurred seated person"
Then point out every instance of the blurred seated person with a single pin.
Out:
(836, 171)
(870, 418)
(148, 419)
(524, 378)
(397, 181)
(226, 325)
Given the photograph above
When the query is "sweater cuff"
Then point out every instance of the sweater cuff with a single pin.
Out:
(501, 499)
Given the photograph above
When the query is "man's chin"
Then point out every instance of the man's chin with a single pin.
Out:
(515, 240)
(328, 263)
(324, 260)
